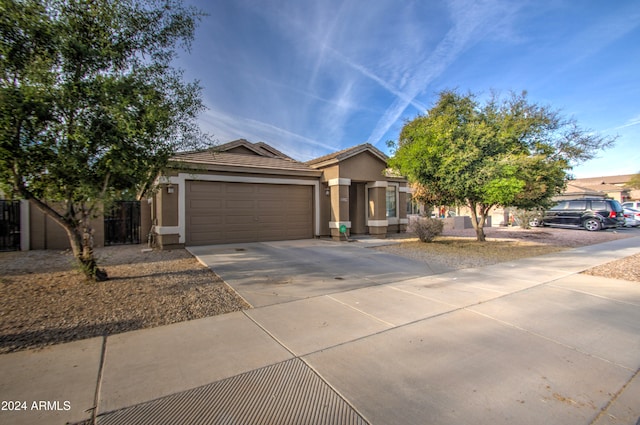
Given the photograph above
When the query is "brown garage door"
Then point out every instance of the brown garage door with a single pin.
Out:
(221, 212)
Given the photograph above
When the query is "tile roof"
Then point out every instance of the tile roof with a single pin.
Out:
(593, 181)
(266, 157)
(212, 159)
(270, 149)
(601, 184)
(576, 189)
(259, 148)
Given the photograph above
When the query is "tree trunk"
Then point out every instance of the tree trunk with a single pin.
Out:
(85, 255)
(478, 222)
(80, 236)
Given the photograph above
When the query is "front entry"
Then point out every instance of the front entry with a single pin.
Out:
(357, 208)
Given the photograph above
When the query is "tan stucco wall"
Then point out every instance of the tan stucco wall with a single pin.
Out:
(45, 233)
(340, 203)
(167, 207)
(325, 210)
(168, 241)
(166, 214)
(330, 173)
(377, 209)
(145, 220)
(377, 203)
(339, 207)
(363, 167)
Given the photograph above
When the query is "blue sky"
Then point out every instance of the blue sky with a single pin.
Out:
(313, 77)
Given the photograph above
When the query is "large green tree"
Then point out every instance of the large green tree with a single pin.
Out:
(505, 151)
(90, 104)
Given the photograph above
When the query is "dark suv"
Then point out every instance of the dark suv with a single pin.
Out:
(592, 214)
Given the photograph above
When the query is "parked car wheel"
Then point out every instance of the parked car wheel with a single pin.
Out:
(535, 222)
(592, 224)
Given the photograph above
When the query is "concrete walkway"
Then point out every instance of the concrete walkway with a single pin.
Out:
(528, 342)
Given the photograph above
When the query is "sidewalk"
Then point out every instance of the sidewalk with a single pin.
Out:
(529, 341)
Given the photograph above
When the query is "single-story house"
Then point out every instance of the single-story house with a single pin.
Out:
(249, 192)
(238, 192)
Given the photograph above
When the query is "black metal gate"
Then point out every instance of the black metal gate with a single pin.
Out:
(122, 223)
(9, 225)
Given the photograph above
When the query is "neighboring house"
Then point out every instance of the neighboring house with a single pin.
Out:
(248, 192)
(574, 191)
(613, 187)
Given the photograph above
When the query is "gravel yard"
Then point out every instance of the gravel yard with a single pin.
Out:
(458, 249)
(45, 300)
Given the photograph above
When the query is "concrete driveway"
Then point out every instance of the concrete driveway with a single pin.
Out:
(266, 273)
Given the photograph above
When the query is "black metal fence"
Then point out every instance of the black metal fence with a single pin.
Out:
(122, 223)
(9, 225)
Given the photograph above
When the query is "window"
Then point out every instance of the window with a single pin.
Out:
(562, 205)
(577, 205)
(413, 207)
(392, 210)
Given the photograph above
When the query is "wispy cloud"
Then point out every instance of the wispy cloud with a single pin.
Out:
(629, 123)
(471, 20)
(225, 127)
(314, 76)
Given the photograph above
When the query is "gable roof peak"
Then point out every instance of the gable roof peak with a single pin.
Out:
(348, 153)
(259, 148)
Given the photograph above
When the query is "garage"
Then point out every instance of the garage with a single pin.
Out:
(231, 212)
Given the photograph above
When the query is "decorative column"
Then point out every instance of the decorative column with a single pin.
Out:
(377, 208)
(339, 208)
(166, 214)
(403, 197)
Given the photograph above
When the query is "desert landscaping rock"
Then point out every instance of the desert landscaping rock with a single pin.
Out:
(45, 300)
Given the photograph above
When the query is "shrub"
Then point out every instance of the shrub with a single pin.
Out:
(528, 218)
(426, 228)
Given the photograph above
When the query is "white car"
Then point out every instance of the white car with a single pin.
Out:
(631, 204)
(631, 217)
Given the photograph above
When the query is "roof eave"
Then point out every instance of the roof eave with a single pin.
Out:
(364, 148)
(198, 166)
(324, 164)
(350, 154)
